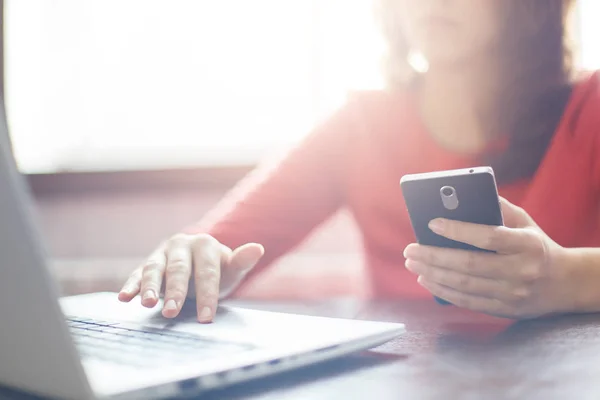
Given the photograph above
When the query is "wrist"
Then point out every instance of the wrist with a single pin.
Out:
(580, 279)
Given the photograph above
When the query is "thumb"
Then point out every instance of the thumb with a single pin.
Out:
(514, 216)
(236, 264)
(244, 258)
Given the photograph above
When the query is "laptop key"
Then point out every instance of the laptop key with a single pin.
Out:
(134, 346)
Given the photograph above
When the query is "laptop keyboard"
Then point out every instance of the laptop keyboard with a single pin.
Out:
(143, 347)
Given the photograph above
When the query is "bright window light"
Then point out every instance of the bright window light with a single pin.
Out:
(147, 84)
(589, 14)
(130, 84)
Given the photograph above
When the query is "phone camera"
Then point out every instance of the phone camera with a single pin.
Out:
(447, 191)
(449, 198)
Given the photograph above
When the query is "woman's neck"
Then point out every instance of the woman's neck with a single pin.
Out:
(455, 103)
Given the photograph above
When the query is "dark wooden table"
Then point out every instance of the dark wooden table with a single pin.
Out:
(447, 353)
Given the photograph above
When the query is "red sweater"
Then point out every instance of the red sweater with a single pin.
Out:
(356, 158)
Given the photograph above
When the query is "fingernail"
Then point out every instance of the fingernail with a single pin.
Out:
(149, 295)
(436, 225)
(407, 264)
(170, 305)
(205, 314)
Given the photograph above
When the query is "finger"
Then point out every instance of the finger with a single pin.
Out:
(245, 257)
(463, 283)
(236, 265)
(206, 254)
(152, 276)
(177, 276)
(475, 263)
(472, 302)
(514, 216)
(132, 286)
(493, 238)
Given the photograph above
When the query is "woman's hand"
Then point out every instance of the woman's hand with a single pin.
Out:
(526, 277)
(191, 266)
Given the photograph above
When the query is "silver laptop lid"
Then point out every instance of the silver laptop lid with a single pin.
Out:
(36, 352)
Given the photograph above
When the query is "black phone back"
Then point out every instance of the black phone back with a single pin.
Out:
(465, 195)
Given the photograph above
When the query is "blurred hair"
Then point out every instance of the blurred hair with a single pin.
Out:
(536, 63)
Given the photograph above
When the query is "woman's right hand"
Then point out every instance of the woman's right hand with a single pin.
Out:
(189, 266)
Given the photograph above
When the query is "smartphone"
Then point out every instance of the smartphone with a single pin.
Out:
(469, 195)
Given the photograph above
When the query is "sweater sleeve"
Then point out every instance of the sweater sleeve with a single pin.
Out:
(280, 203)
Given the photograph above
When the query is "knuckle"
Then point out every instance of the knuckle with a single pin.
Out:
(208, 295)
(471, 260)
(151, 276)
(177, 278)
(177, 292)
(465, 282)
(531, 273)
(150, 285)
(210, 274)
(150, 282)
(151, 266)
(151, 273)
(450, 229)
(492, 239)
(177, 266)
(206, 265)
(207, 292)
(206, 260)
(179, 238)
(204, 239)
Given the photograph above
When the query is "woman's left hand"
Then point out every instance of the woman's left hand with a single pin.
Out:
(525, 277)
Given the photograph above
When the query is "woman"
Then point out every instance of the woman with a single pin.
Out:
(499, 90)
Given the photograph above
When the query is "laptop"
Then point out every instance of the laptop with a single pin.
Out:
(94, 347)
